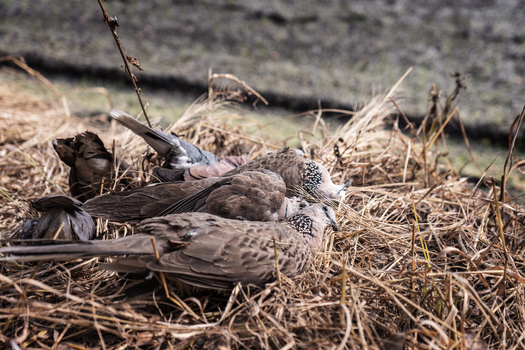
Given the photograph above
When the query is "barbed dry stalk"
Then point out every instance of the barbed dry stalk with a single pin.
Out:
(113, 23)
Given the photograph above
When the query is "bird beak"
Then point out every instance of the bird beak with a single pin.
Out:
(341, 194)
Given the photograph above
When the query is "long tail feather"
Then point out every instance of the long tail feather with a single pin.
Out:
(136, 244)
(159, 140)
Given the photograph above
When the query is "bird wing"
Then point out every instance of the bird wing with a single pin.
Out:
(253, 195)
(56, 200)
(195, 201)
(144, 202)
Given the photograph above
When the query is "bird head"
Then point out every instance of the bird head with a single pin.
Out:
(327, 188)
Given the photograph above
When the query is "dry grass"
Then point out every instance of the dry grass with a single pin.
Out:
(420, 259)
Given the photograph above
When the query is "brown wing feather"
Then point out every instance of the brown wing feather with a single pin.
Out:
(223, 252)
(253, 195)
(144, 202)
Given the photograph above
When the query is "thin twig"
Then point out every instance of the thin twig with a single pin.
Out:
(113, 24)
(276, 256)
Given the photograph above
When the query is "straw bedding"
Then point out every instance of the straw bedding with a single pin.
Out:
(420, 260)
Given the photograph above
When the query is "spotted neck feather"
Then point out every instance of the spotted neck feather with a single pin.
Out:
(302, 224)
(313, 178)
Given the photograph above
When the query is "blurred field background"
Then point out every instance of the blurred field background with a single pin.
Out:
(298, 55)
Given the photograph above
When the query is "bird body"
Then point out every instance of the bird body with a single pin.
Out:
(185, 161)
(90, 162)
(252, 195)
(204, 250)
(63, 218)
(144, 202)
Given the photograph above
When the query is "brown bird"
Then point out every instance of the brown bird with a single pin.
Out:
(62, 218)
(252, 195)
(204, 250)
(90, 162)
(299, 174)
(186, 161)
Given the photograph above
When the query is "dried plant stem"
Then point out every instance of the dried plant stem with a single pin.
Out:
(58, 231)
(113, 24)
(175, 299)
(467, 143)
(499, 223)
(513, 136)
(276, 256)
(250, 90)
(343, 283)
(161, 274)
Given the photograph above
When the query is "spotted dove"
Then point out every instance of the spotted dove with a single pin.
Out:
(252, 195)
(204, 250)
(184, 160)
(299, 174)
(62, 218)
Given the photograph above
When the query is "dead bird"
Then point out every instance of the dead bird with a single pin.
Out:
(203, 250)
(91, 165)
(299, 174)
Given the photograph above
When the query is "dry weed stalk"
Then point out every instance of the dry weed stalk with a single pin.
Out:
(113, 23)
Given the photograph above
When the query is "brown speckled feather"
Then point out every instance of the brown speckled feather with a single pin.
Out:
(204, 250)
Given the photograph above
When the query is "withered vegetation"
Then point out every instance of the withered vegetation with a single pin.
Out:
(424, 258)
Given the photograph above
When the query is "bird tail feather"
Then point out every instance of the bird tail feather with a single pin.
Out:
(136, 244)
(159, 140)
(179, 153)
